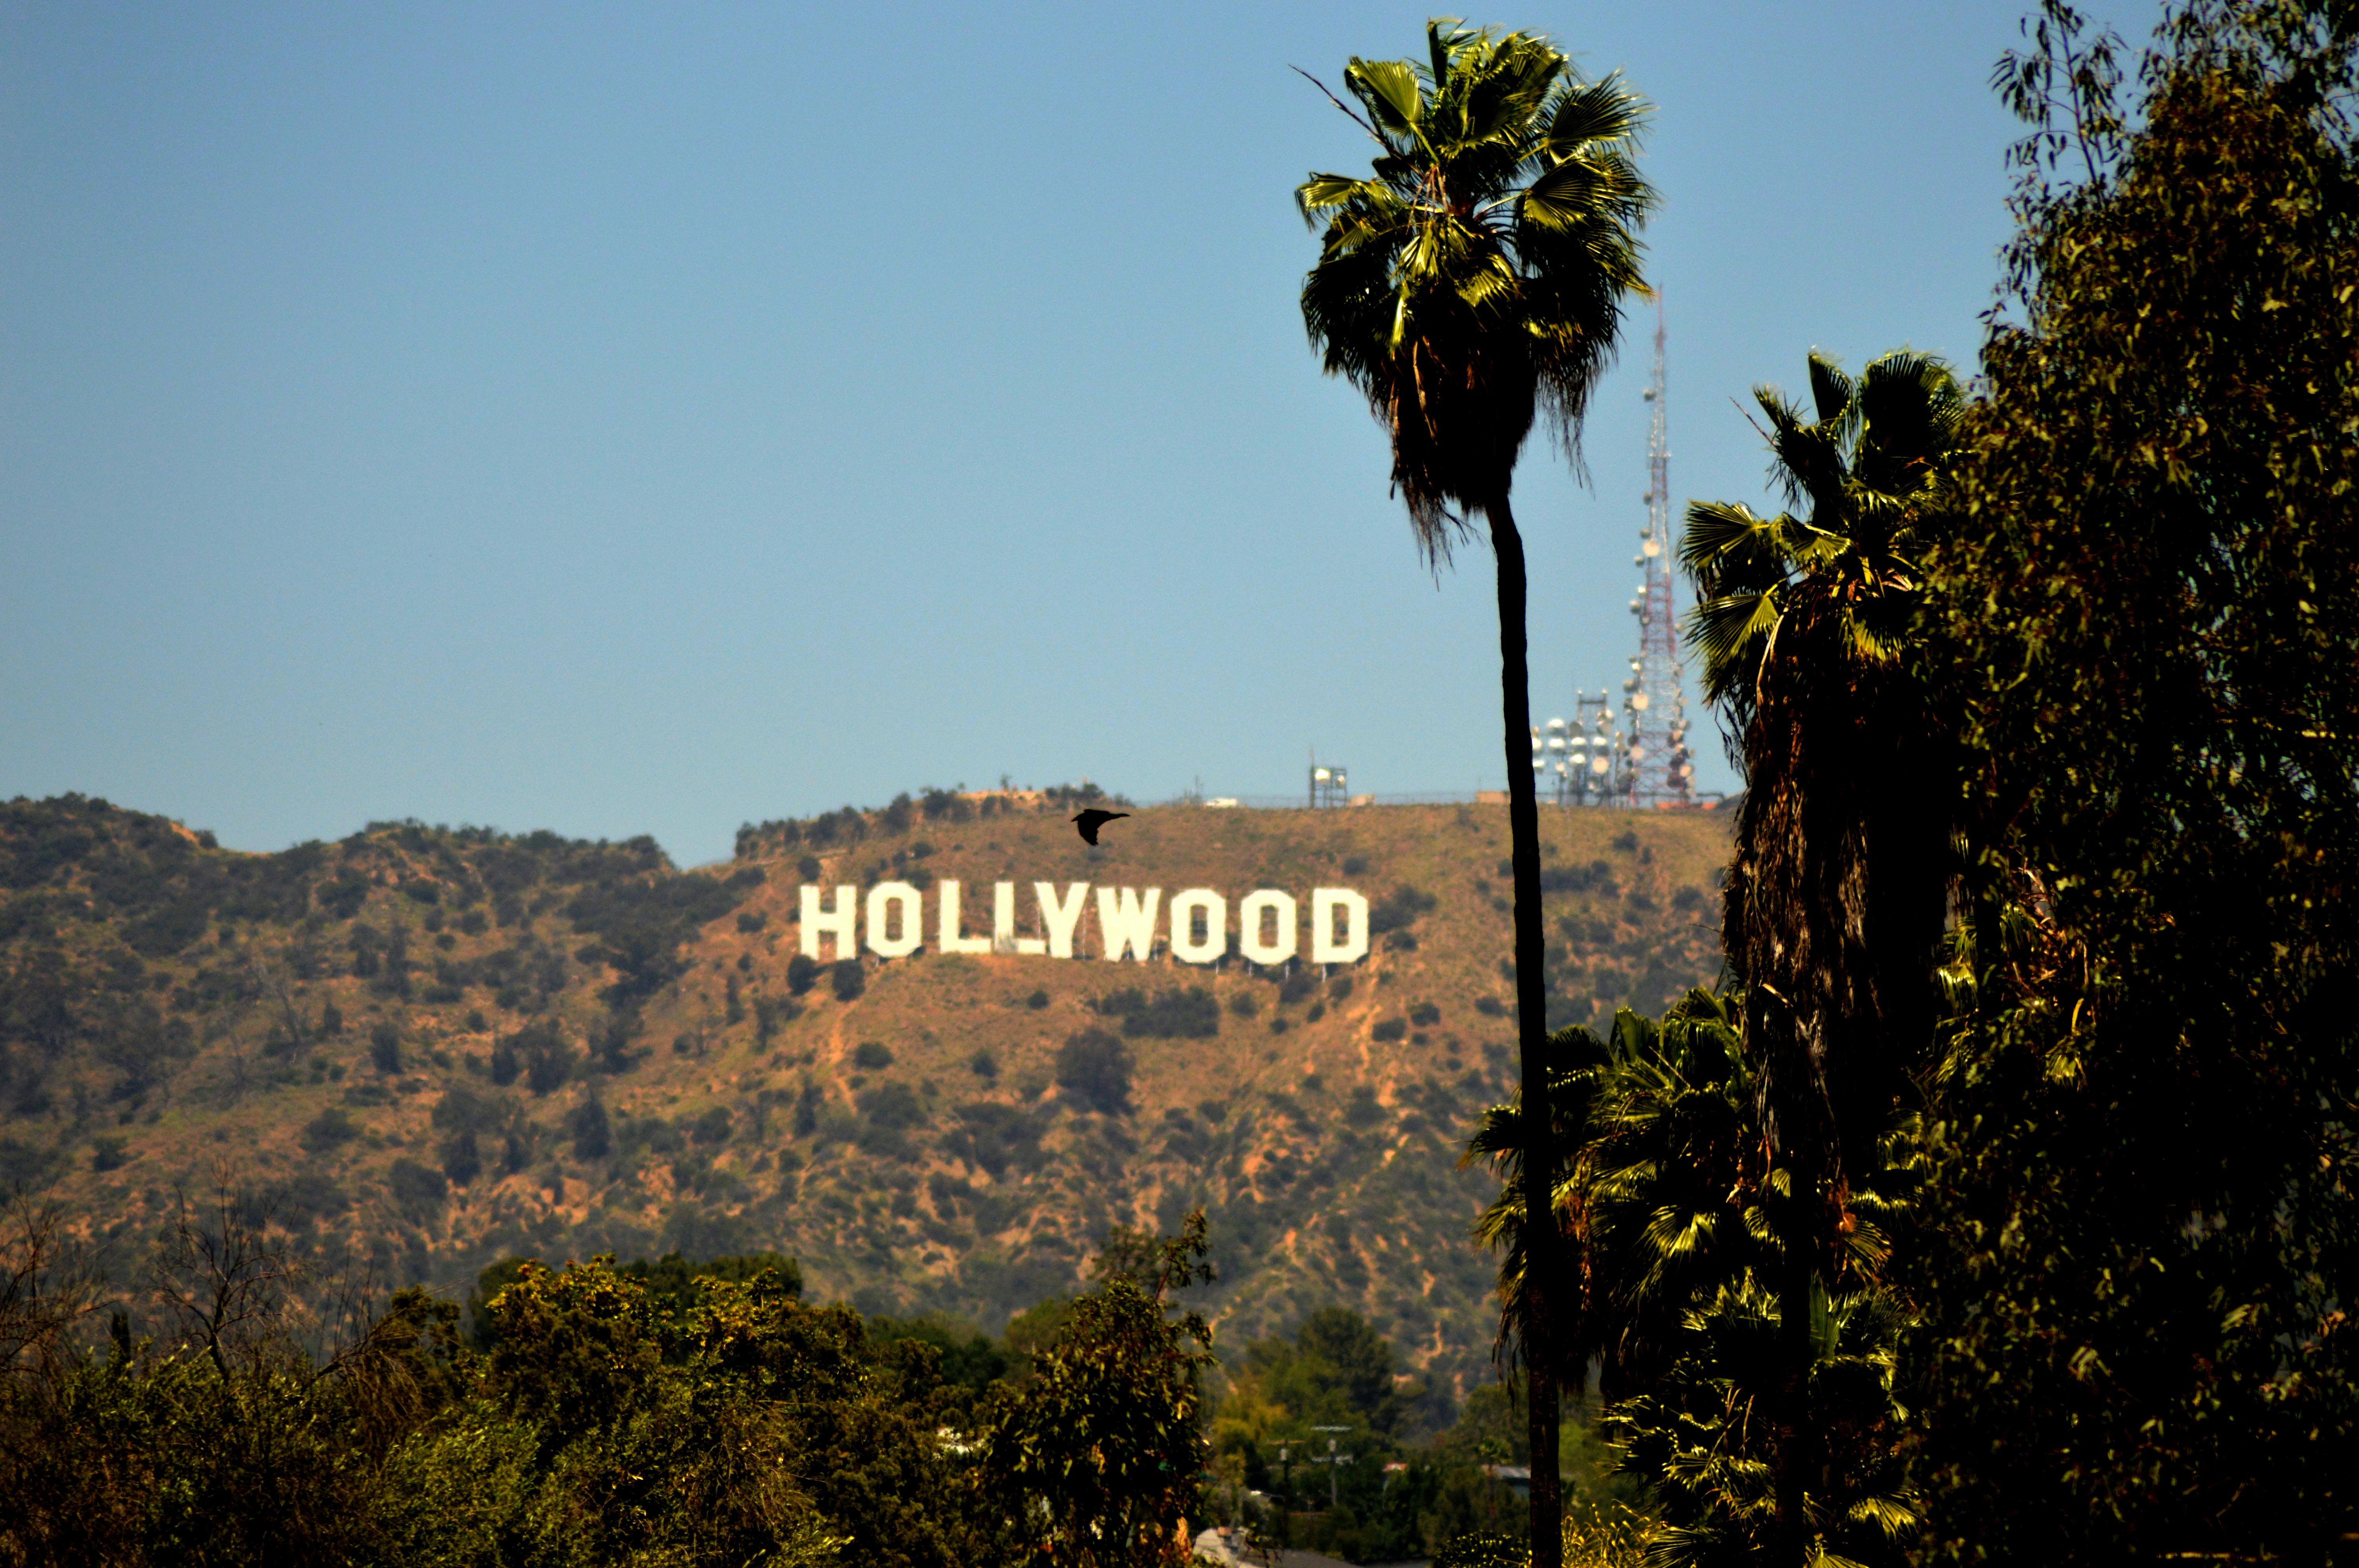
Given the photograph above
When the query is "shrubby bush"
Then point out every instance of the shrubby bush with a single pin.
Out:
(592, 1133)
(1190, 1014)
(772, 1014)
(1398, 909)
(849, 979)
(330, 1129)
(1095, 1067)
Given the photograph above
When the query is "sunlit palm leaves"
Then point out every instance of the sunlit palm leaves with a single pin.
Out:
(1700, 1437)
(1867, 474)
(1677, 1232)
(1475, 275)
(1654, 1197)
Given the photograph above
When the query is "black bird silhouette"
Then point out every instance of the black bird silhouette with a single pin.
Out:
(1090, 821)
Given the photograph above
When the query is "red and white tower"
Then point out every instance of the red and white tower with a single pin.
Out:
(1654, 701)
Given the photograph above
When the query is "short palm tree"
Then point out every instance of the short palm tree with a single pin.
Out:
(1470, 282)
(1676, 1233)
(1835, 899)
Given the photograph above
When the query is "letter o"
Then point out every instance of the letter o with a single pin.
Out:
(885, 896)
(1269, 901)
(1184, 946)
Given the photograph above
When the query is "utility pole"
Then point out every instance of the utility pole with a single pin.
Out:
(1332, 1460)
(1284, 1494)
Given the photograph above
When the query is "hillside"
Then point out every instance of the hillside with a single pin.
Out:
(437, 1048)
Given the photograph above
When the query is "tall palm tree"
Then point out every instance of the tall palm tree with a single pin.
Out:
(1470, 282)
(1834, 898)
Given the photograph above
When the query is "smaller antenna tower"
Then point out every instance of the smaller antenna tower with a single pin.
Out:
(1654, 700)
(1329, 785)
(1583, 760)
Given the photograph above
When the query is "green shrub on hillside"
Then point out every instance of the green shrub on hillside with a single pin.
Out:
(993, 1137)
(894, 1106)
(772, 1014)
(461, 1158)
(1398, 909)
(1190, 1014)
(592, 1133)
(418, 1191)
(849, 979)
(1094, 1068)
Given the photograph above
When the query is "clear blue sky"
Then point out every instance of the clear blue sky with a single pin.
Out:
(629, 419)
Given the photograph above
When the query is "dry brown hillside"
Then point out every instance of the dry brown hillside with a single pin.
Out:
(440, 1047)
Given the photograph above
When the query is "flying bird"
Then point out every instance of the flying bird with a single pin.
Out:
(1090, 821)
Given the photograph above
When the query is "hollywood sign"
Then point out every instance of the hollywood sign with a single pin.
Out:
(1195, 923)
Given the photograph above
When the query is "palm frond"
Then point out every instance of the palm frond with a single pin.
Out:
(1831, 389)
(1322, 191)
(1806, 459)
(1568, 195)
(1728, 635)
(1584, 113)
(1728, 546)
(1496, 304)
(1895, 1516)
(1910, 402)
(1395, 98)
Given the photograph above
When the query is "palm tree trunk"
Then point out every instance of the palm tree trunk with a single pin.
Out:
(1793, 1459)
(1542, 1244)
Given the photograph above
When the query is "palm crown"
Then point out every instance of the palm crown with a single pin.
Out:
(1871, 469)
(1476, 275)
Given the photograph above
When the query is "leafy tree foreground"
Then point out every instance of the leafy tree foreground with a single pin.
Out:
(652, 1415)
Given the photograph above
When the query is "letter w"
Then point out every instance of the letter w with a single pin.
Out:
(1125, 924)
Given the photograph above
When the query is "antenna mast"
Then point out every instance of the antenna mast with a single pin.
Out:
(1654, 702)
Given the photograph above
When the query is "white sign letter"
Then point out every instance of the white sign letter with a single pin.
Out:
(1060, 917)
(1269, 901)
(1184, 946)
(902, 896)
(1003, 923)
(1127, 924)
(835, 923)
(1324, 903)
(951, 942)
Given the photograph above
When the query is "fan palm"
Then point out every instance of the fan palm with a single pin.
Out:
(1472, 282)
(1676, 1232)
(1834, 897)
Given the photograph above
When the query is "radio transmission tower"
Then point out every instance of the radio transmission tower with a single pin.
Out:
(1654, 703)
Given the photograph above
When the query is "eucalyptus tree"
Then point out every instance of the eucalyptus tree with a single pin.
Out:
(1469, 286)
(2142, 1249)
(1835, 895)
